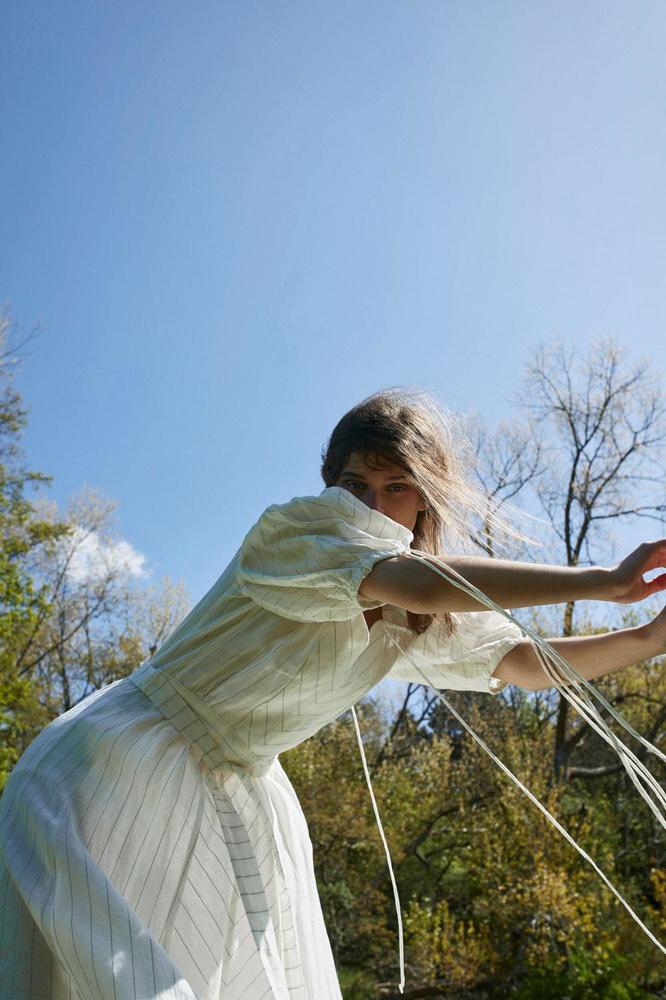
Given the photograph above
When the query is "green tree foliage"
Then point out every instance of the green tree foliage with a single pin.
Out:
(22, 532)
(70, 618)
(100, 624)
(494, 900)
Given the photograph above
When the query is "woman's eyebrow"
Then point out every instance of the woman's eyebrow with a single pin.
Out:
(360, 475)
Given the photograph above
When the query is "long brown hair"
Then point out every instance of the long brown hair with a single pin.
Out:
(410, 428)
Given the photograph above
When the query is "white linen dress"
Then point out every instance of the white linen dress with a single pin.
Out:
(151, 845)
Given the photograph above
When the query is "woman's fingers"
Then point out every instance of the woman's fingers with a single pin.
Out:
(647, 556)
(656, 556)
(656, 585)
(629, 574)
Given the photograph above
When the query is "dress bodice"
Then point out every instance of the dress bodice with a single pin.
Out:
(280, 646)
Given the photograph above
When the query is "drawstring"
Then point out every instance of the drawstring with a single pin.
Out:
(401, 948)
(549, 816)
(571, 686)
(559, 670)
(564, 678)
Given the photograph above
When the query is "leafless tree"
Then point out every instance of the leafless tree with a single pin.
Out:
(508, 459)
(606, 427)
(13, 339)
(98, 625)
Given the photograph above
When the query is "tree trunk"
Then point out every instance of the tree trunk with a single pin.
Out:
(561, 759)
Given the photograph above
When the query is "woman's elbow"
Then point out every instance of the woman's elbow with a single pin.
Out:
(521, 667)
(400, 581)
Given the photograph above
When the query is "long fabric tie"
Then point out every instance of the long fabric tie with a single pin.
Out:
(401, 944)
(571, 686)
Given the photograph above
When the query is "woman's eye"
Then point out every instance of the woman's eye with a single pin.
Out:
(393, 487)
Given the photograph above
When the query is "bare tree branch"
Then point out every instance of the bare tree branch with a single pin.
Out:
(608, 427)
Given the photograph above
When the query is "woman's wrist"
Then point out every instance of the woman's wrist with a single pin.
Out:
(599, 584)
(651, 638)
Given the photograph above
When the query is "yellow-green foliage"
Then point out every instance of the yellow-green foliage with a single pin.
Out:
(492, 895)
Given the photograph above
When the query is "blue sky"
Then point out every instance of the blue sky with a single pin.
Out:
(234, 220)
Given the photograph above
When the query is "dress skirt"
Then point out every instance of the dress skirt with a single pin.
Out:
(150, 867)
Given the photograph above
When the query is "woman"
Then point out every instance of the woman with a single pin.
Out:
(152, 845)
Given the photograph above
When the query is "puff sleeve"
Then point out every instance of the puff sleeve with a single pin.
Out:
(464, 661)
(305, 559)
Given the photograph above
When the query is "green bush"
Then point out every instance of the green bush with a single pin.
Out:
(357, 984)
(587, 977)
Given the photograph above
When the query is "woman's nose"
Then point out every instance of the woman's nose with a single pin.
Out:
(373, 501)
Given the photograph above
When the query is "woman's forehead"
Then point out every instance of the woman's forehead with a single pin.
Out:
(374, 461)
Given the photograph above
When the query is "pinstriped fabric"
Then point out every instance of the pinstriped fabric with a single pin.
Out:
(152, 845)
(463, 661)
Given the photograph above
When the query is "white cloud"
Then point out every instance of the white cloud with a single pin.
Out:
(94, 557)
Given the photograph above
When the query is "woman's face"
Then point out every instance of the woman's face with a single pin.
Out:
(388, 489)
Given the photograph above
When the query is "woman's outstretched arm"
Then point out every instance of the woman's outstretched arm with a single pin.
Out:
(591, 655)
(407, 583)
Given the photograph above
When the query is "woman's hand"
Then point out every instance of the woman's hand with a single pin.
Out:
(627, 583)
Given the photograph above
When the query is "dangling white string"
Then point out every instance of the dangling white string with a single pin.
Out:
(637, 771)
(401, 948)
(555, 666)
(549, 816)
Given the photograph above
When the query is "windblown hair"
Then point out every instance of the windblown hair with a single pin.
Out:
(410, 428)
